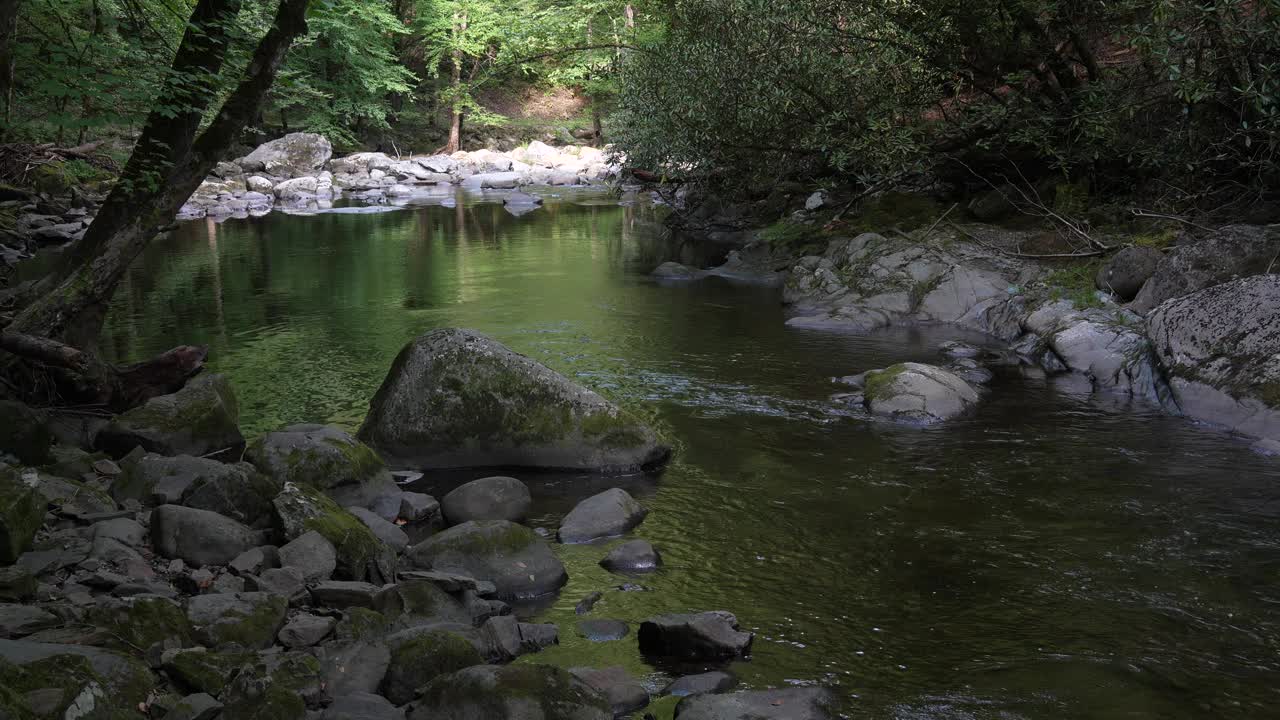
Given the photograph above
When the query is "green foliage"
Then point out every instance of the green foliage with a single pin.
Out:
(1076, 283)
(788, 235)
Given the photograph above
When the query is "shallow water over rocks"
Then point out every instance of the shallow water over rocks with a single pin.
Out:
(1054, 553)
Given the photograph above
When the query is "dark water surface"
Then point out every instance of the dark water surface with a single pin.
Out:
(1059, 554)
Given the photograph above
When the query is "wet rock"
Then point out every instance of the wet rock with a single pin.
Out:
(1233, 251)
(633, 556)
(1220, 348)
(454, 398)
(198, 537)
(701, 636)
(502, 693)
(607, 514)
(361, 556)
(917, 393)
(362, 706)
(518, 562)
(586, 604)
(708, 682)
(492, 498)
(970, 371)
(26, 433)
(676, 271)
(1124, 274)
(248, 619)
(200, 419)
(21, 513)
(602, 630)
(312, 555)
(624, 693)
(786, 704)
(387, 532)
(422, 659)
(304, 630)
(290, 156)
(1105, 345)
(344, 594)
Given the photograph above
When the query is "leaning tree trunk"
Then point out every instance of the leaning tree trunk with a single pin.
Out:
(8, 30)
(169, 162)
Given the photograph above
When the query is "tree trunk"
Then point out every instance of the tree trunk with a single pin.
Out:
(455, 120)
(8, 29)
(168, 163)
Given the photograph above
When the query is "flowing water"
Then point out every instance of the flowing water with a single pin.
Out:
(1058, 554)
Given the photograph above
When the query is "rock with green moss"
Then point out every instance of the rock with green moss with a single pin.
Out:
(235, 491)
(25, 433)
(198, 537)
(1234, 251)
(511, 692)
(21, 513)
(200, 419)
(324, 457)
(455, 398)
(518, 562)
(416, 602)
(100, 682)
(72, 496)
(361, 624)
(300, 509)
(247, 619)
(1220, 350)
(199, 670)
(296, 672)
(141, 622)
(422, 659)
(274, 703)
(918, 393)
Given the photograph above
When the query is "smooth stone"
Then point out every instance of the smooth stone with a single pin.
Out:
(491, 498)
(305, 630)
(603, 629)
(198, 537)
(708, 682)
(607, 514)
(624, 693)
(633, 556)
(342, 594)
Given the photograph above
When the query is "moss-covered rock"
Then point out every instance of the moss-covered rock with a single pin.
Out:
(919, 393)
(511, 556)
(236, 491)
(322, 456)
(511, 692)
(359, 623)
(105, 683)
(73, 495)
(17, 584)
(455, 398)
(200, 419)
(248, 619)
(422, 659)
(414, 601)
(21, 513)
(141, 622)
(300, 508)
(275, 703)
(298, 673)
(24, 433)
(206, 672)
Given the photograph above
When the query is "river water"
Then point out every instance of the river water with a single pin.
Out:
(1058, 554)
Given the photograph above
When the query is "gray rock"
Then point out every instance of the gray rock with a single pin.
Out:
(300, 509)
(355, 666)
(491, 498)
(26, 433)
(633, 556)
(312, 555)
(603, 629)
(259, 184)
(419, 659)
(304, 630)
(420, 508)
(248, 619)
(341, 594)
(708, 682)
(786, 704)
(701, 636)
(387, 532)
(815, 201)
(495, 180)
(607, 514)
(442, 164)
(519, 198)
(454, 398)
(994, 204)
(448, 582)
(287, 582)
(1220, 349)
(919, 393)
(21, 513)
(200, 706)
(17, 584)
(122, 530)
(676, 271)
(290, 156)
(322, 456)
(1233, 251)
(200, 419)
(417, 602)
(125, 680)
(18, 621)
(490, 692)
(198, 537)
(518, 562)
(255, 560)
(624, 693)
(588, 603)
(362, 706)
(1124, 274)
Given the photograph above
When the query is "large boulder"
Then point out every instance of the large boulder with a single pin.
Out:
(292, 155)
(1220, 349)
(510, 692)
(1233, 251)
(236, 491)
(71, 681)
(248, 619)
(607, 514)
(624, 693)
(785, 704)
(323, 457)
(300, 509)
(491, 498)
(200, 419)
(1125, 273)
(916, 392)
(511, 556)
(21, 513)
(710, 635)
(455, 398)
(424, 657)
(198, 537)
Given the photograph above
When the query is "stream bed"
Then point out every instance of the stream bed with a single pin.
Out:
(1059, 553)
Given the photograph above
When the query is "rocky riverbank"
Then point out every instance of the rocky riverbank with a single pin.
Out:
(1194, 328)
(155, 564)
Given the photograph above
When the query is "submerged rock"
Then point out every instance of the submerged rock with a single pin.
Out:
(1220, 348)
(786, 704)
(676, 271)
(708, 682)
(455, 398)
(917, 393)
(635, 556)
(607, 514)
(200, 419)
(510, 692)
(518, 562)
(492, 498)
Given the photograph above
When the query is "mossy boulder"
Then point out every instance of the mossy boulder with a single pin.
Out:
(359, 623)
(73, 496)
(247, 619)
(236, 491)
(21, 513)
(106, 684)
(297, 673)
(414, 602)
(510, 692)
(200, 419)
(199, 537)
(141, 622)
(24, 433)
(199, 670)
(300, 509)
(321, 456)
(518, 562)
(424, 658)
(455, 398)
(1234, 251)
(914, 392)
(274, 703)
